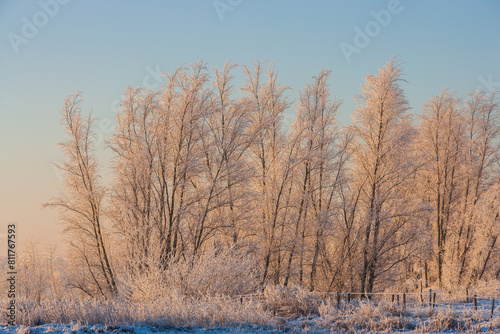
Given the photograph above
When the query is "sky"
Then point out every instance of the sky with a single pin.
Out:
(52, 48)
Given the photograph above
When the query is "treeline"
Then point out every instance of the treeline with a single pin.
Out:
(389, 201)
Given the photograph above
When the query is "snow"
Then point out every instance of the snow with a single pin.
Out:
(450, 318)
(86, 329)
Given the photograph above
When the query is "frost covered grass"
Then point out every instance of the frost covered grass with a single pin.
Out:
(177, 311)
(277, 309)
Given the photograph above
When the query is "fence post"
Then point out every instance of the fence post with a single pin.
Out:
(404, 300)
(492, 307)
(393, 298)
(475, 302)
(348, 297)
(338, 299)
(467, 295)
(397, 297)
(425, 269)
(430, 296)
(433, 300)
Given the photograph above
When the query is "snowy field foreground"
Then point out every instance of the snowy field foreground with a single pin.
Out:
(303, 313)
(442, 323)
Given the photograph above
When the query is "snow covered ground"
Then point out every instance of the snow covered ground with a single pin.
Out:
(86, 329)
(361, 317)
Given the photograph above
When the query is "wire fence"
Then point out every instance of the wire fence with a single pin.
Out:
(481, 299)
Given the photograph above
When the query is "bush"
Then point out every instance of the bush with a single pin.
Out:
(223, 272)
(285, 301)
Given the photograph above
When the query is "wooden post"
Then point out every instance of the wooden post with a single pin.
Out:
(430, 296)
(492, 307)
(348, 297)
(404, 300)
(393, 298)
(467, 295)
(397, 297)
(433, 300)
(475, 302)
(425, 269)
(338, 299)
(421, 295)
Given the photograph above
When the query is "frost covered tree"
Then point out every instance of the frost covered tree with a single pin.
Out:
(384, 167)
(40, 273)
(180, 166)
(205, 175)
(485, 254)
(460, 143)
(270, 157)
(157, 156)
(480, 153)
(81, 205)
(321, 157)
(441, 143)
(224, 140)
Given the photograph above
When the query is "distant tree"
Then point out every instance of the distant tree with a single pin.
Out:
(40, 272)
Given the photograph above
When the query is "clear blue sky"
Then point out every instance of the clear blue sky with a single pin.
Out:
(100, 47)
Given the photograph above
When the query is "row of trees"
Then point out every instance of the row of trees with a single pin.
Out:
(387, 200)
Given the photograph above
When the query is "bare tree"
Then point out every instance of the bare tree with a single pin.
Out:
(224, 143)
(384, 166)
(485, 253)
(320, 173)
(81, 206)
(441, 141)
(270, 156)
(481, 148)
(134, 201)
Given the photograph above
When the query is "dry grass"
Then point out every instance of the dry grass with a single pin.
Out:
(295, 301)
(178, 311)
(277, 309)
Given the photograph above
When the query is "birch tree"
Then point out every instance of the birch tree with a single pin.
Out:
(270, 156)
(441, 141)
(136, 208)
(81, 205)
(384, 166)
(481, 148)
(157, 158)
(224, 139)
(486, 250)
(225, 145)
(321, 171)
